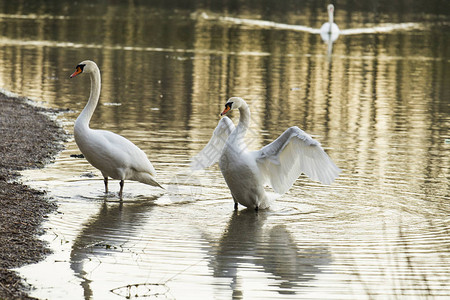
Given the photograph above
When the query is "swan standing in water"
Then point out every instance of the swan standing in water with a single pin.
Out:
(278, 164)
(329, 32)
(112, 154)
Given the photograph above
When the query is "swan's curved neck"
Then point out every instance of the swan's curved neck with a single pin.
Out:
(330, 17)
(244, 116)
(86, 115)
(244, 122)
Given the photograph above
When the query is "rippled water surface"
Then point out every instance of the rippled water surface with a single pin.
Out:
(377, 100)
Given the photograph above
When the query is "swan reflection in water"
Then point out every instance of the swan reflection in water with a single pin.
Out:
(106, 231)
(248, 241)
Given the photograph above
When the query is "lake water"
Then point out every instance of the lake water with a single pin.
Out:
(379, 104)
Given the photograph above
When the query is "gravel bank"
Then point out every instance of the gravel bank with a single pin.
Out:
(28, 139)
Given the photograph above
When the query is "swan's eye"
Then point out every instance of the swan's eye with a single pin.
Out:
(80, 67)
(227, 108)
(79, 70)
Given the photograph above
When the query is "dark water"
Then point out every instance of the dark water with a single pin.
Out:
(379, 105)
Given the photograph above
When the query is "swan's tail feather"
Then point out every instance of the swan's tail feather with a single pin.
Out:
(148, 179)
(155, 183)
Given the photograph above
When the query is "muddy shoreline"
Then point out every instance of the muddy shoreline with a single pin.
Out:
(28, 139)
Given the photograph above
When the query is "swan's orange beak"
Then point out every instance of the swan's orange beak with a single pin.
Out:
(227, 109)
(78, 71)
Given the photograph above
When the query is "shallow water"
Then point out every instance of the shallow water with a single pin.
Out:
(379, 105)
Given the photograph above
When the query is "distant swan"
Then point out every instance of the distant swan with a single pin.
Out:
(329, 30)
(112, 154)
(278, 164)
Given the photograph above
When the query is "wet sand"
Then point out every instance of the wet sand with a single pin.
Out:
(28, 139)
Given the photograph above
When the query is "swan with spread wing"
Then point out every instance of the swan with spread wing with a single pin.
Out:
(329, 30)
(277, 165)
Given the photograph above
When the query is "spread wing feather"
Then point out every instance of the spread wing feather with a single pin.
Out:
(292, 153)
(211, 153)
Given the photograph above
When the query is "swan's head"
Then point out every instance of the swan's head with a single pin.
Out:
(232, 103)
(330, 8)
(86, 66)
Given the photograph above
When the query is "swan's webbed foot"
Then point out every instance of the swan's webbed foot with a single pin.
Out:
(256, 208)
(121, 189)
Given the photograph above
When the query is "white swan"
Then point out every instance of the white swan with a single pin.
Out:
(329, 32)
(112, 154)
(278, 164)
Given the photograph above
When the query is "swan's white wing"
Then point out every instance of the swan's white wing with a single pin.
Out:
(212, 151)
(114, 151)
(137, 159)
(292, 153)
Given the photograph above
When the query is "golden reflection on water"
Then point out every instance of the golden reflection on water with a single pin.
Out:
(379, 106)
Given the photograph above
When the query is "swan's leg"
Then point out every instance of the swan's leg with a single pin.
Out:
(235, 203)
(121, 189)
(256, 208)
(105, 180)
